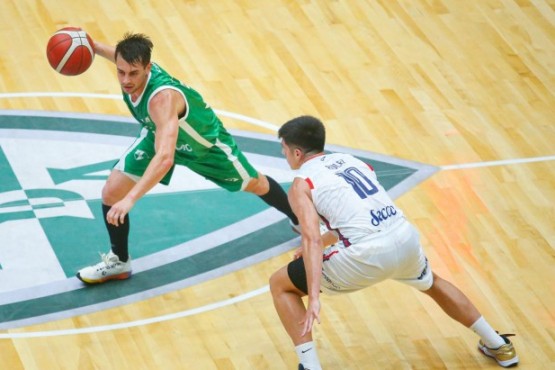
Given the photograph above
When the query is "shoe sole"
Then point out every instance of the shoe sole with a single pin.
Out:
(508, 363)
(122, 276)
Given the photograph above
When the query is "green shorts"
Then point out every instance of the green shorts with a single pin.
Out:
(223, 163)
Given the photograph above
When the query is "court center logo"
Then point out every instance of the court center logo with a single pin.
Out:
(53, 167)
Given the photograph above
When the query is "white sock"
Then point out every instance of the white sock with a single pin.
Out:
(489, 336)
(306, 352)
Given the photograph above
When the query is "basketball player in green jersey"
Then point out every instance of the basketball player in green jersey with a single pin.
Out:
(178, 127)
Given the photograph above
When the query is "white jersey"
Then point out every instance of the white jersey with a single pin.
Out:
(348, 197)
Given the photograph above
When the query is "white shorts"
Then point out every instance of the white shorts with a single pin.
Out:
(396, 254)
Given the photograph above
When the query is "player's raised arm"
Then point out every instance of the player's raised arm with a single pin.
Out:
(106, 51)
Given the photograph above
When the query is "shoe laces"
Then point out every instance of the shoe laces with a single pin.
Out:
(507, 346)
(506, 336)
(107, 258)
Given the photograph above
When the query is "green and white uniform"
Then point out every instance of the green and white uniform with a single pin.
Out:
(203, 144)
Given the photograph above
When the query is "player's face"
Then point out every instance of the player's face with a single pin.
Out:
(292, 155)
(132, 77)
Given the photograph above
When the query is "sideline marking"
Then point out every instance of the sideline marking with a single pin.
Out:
(130, 324)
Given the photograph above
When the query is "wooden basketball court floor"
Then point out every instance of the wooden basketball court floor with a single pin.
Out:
(468, 86)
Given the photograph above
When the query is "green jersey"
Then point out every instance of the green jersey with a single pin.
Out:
(198, 128)
(203, 144)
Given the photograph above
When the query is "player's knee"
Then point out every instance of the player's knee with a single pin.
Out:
(276, 282)
(111, 194)
(116, 187)
(273, 282)
(108, 196)
(258, 186)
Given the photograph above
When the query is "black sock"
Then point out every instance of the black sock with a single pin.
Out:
(277, 198)
(118, 235)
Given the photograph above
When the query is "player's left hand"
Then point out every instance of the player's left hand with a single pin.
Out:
(116, 214)
(312, 313)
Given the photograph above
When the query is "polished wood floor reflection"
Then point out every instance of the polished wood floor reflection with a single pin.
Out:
(468, 86)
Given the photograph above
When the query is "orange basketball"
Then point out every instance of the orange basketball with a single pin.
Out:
(70, 51)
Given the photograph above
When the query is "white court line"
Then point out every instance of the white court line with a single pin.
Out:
(497, 163)
(216, 305)
(237, 116)
(59, 95)
(125, 325)
(261, 123)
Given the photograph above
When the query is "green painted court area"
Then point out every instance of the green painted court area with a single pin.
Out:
(159, 222)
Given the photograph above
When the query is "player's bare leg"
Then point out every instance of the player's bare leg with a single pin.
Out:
(289, 305)
(457, 305)
(453, 301)
(291, 311)
(116, 187)
(259, 186)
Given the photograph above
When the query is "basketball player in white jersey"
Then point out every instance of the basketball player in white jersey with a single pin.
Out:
(378, 243)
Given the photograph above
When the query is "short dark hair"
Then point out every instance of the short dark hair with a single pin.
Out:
(135, 48)
(305, 132)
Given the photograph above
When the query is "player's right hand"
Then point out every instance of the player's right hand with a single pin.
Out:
(298, 253)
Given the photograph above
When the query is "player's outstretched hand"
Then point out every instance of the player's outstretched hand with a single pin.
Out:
(312, 313)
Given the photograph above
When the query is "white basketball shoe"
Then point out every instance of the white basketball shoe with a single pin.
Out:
(110, 268)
